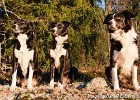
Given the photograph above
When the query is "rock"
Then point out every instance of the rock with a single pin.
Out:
(97, 82)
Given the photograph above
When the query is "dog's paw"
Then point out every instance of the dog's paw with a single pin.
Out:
(137, 88)
(61, 87)
(116, 89)
(52, 84)
(12, 88)
(29, 86)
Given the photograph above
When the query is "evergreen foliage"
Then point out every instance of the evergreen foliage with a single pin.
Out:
(89, 40)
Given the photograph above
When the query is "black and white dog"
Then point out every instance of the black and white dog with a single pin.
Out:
(60, 65)
(124, 49)
(24, 53)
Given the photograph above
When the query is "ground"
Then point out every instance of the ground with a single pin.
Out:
(97, 88)
(88, 86)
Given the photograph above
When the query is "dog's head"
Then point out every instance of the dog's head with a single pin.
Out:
(22, 26)
(59, 28)
(120, 20)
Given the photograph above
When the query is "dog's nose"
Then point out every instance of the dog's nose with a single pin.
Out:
(53, 31)
(14, 26)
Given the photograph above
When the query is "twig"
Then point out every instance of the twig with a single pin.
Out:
(6, 40)
(3, 1)
(13, 13)
(5, 8)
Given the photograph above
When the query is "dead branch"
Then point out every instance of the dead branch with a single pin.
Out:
(13, 13)
(5, 9)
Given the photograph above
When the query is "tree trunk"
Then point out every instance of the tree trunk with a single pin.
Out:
(108, 6)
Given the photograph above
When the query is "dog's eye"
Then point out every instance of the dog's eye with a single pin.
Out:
(59, 27)
(21, 23)
(118, 18)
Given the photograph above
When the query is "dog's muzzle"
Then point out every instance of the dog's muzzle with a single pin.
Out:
(14, 26)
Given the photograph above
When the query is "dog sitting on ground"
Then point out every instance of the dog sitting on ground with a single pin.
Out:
(24, 54)
(60, 64)
(124, 48)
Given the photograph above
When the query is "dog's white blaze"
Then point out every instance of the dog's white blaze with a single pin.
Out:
(115, 78)
(129, 53)
(114, 22)
(13, 85)
(55, 28)
(17, 29)
(23, 55)
(134, 78)
(30, 77)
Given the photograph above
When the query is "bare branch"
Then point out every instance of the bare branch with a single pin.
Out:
(3, 1)
(4, 7)
(13, 13)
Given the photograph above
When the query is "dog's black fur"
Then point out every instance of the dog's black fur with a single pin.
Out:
(60, 64)
(24, 53)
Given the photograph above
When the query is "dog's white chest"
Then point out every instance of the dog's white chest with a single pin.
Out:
(129, 51)
(22, 38)
(56, 54)
(60, 39)
(23, 54)
(24, 58)
(126, 56)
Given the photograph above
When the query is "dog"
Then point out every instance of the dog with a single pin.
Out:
(60, 64)
(124, 48)
(24, 53)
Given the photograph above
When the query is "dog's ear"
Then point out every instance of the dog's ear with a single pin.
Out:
(32, 26)
(128, 14)
(66, 23)
(107, 19)
(52, 24)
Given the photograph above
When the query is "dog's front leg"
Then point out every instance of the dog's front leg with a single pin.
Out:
(115, 77)
(15, 68)
(134, 78)
(52, 73)
(67, 69)
(13, 85)
(30, 85)
(62, 69)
